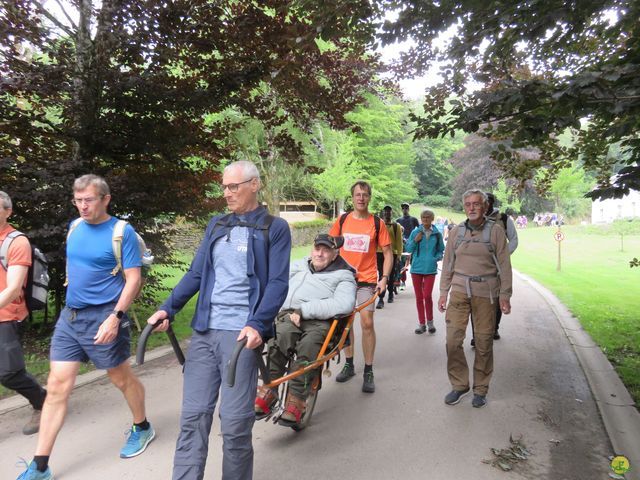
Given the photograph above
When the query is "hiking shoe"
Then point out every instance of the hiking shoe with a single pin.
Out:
(293, 410)
(496, 336)
(264, 402)
(390, 299)
(421, 329)
(380, 304)
(137, 441)
(346, 373)
(32, 473)
(432, 329)
(479, 401)
(33, 425)
(367, 385)
(473, 342)
(454, 396)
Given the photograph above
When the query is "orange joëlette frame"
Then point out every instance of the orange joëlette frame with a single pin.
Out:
(322, 357)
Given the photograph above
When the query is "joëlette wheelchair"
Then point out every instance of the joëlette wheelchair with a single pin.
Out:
(334, 342)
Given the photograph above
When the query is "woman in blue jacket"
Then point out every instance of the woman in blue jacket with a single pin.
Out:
(427, 248)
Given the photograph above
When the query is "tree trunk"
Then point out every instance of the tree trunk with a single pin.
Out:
(81, 89)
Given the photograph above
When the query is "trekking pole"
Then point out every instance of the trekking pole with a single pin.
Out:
(144, 337)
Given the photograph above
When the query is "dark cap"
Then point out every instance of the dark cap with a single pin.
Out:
(405, 204)
(328, 240)
(387, 207)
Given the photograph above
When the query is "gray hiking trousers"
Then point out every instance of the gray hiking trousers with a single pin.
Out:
(205, 378)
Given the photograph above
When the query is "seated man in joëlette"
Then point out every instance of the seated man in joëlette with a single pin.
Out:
(321, 287)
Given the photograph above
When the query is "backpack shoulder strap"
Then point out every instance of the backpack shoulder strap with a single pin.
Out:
(116, 244)
(462, 230)
(486, 239)
(376, 223)
(343, 218)
(266, 225)
(503, 217)
(4, 248)
(72, 227)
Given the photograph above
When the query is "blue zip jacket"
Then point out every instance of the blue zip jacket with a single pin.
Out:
(426, 254)
(268, 274)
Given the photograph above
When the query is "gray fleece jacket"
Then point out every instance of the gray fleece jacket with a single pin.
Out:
(321, 295)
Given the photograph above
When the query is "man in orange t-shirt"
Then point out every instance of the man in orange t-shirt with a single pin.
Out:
(13, 310)
(360, 245)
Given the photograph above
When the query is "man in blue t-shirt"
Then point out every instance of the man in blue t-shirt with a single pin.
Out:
(241, 271)
(94, 324)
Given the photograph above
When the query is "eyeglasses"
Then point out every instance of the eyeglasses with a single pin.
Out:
(233, 187)
(87, 201)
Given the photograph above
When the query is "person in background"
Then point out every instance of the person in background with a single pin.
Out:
(408, 223)
(426, 247)
(395, 233)
(493, 214)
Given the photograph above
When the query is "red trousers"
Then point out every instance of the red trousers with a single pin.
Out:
(423, 286)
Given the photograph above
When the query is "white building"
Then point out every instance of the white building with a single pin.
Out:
(606, 211)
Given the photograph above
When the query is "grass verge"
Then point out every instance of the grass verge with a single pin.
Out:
(597, 285)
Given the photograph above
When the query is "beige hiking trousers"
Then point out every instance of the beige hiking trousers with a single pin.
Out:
(484, 318)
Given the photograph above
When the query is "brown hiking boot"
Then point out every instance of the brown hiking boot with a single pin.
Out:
(293, 409)
(33, 425)
(265, 400)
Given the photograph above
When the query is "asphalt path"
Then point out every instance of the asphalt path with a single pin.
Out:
(539, 394)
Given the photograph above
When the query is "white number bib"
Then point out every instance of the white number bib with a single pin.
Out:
(356, 242)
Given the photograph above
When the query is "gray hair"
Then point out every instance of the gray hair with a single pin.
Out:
(428, 212)
(83, 182)
(6, 200)
(249, 169)
(475, 191)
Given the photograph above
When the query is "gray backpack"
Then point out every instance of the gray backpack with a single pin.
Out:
(485, 240)
(36, 292)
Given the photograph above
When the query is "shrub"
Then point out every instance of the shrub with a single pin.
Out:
(436, 200)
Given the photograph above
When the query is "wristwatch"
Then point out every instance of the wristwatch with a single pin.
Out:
(118, 313)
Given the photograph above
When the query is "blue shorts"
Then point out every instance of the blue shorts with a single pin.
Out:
(73, 338)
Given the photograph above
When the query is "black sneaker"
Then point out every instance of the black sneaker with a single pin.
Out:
(454, 396)
(346, 373)
(432, 329)
(380, 304)
(496, 336)
(479, 401)
(473, 342)
(367, 385)
(390, 300)
(421, 329)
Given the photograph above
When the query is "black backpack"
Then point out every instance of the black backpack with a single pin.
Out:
(37, 290)
(225, 222)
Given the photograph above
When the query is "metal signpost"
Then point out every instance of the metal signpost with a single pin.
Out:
(559, 236)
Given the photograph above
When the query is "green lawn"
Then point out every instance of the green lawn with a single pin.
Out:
(596, 284)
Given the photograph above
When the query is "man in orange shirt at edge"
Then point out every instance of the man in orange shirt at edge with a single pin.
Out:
(359, 250)
(13, 310)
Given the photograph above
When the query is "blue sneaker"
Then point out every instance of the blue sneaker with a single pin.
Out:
(137, 441)
(32, 473)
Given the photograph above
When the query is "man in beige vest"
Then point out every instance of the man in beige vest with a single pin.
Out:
(477, 270)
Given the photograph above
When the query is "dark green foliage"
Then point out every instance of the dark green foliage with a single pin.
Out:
(125, 93)
(545, 67)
